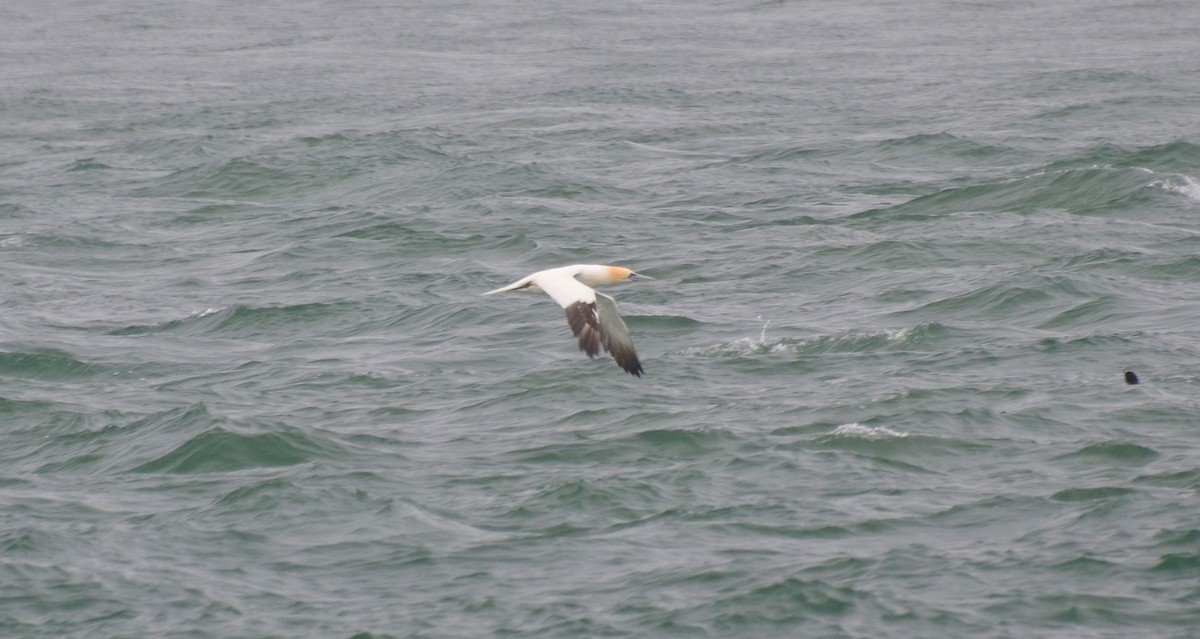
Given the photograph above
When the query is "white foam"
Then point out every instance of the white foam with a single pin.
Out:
(1185, 185)
(859, 431)
(747, 346)
(678, 152)
(743, 347)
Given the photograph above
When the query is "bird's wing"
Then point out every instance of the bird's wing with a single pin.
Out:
(614, 335)
(579, 301)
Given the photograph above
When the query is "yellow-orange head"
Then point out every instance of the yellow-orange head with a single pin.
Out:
(598, 275)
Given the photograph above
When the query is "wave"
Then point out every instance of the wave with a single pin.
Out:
(1184, 479)
(1182, 563)
(846, 342)
(1090, 494)
(386, 148)
(221, 450)
(47, 363)
(1097, 181)
(896, 449)
(241, 318)
(1162, 158)
(88, 164)
(871, 433)
(937, 149)
(636, 438)
(767, 603)
(234, 179)
(1179, 184)
(663, 324)
(1001, 299)
(1115, 451)
(78, 446)
(1044, 301)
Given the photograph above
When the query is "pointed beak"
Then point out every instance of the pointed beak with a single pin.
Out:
(639, 276)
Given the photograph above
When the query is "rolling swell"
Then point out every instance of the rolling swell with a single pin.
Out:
(219, 450)
(46, 364)
(1098, 181)
(241, 320)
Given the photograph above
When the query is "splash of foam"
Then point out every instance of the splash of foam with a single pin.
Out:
(746, 346)
(743, 347)
(1184, 185)
(859, 431)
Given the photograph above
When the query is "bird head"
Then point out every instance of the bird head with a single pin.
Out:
(620, 274)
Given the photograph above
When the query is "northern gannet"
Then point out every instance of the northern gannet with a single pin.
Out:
(593, 316)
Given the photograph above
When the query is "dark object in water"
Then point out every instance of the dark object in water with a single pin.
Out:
(1130, 378)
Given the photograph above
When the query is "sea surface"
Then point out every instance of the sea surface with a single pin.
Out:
(904, 253)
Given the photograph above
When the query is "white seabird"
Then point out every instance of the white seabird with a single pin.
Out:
(593, 316)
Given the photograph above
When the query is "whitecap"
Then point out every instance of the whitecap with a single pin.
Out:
(1182, 184)
(859, 431)
(743, 347)
(842, 342)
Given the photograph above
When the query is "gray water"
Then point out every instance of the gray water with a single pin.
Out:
(904, 253)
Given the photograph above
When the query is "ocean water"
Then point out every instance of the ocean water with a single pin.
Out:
(904, 253)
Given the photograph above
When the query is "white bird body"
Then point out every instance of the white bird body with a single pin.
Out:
(593, 316)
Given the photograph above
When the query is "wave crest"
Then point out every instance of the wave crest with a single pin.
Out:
(847, 342)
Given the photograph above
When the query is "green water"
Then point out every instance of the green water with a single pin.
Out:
(904, 253)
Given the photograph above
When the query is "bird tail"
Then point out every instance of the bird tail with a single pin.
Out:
(521, 283)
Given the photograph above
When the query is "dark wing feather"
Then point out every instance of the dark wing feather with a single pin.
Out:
(585, 324)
